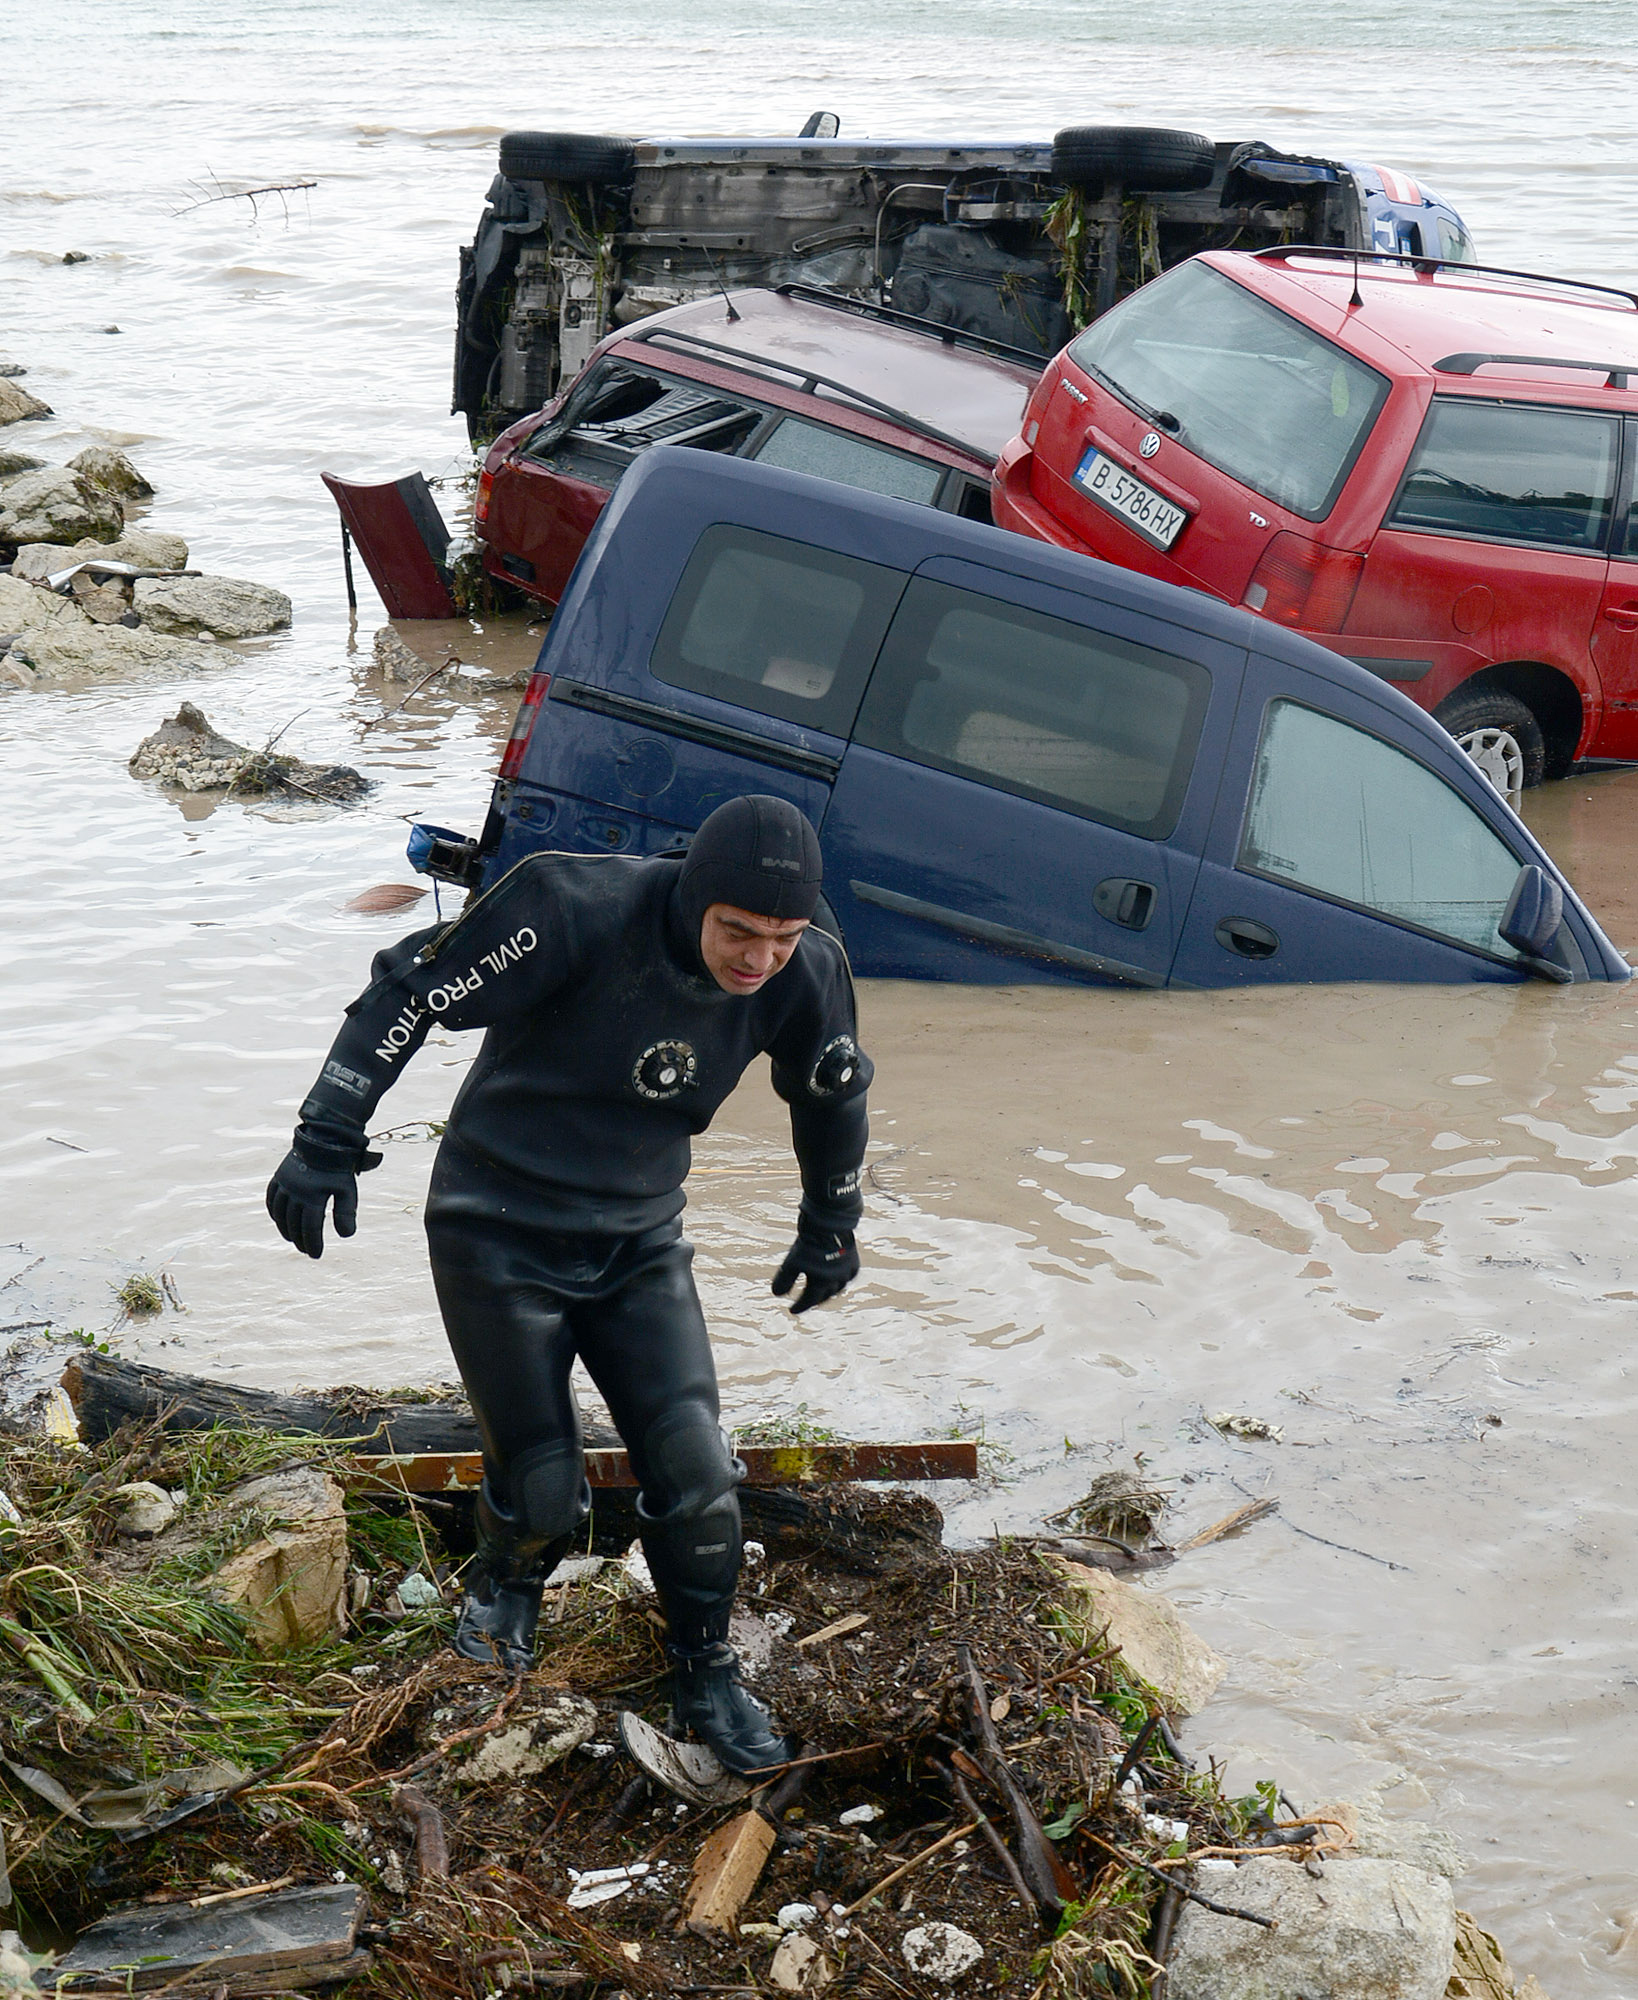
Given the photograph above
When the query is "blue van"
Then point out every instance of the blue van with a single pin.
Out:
(1024, 764)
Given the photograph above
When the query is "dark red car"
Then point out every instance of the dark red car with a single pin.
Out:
(1427, 467)
(797, 378)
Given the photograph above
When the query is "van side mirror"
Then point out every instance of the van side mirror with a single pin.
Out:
(1534, 912)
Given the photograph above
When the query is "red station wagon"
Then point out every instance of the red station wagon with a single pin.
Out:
(1428, 468)
(798, 378)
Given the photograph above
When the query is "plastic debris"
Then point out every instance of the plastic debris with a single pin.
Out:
(1233, 1423)
(602, 1885)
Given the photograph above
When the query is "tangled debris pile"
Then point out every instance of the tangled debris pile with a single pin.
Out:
(187, 752)
(988, 1794)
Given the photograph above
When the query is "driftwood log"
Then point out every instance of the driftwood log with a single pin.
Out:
(868, 1531)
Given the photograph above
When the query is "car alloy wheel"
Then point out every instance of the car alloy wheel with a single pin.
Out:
(1498, 754)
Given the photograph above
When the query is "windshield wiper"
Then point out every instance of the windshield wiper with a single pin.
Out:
(1162, 417)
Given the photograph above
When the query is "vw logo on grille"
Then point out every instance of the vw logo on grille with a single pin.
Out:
(1150, 445)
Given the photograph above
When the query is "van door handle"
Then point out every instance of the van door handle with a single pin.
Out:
(1247, 937)
(1624, 615)
(1125, 902)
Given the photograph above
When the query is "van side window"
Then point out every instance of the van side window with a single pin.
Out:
(776, 625)
(1511, 472)
(814, 448)
(1094, 724)
(1341, 812)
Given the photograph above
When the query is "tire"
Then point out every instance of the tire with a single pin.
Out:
(1144, 158)
(1499, 733)
(565, 156)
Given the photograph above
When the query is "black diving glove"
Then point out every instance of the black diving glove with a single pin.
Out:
(310, 1176)
(826, 1258)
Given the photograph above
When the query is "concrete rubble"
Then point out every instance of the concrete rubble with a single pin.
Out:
(187, 752)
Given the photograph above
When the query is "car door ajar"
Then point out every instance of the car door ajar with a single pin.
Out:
(1336, 854)
(1027, 785)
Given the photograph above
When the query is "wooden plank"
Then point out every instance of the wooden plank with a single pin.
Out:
(294, 1931)
(726, 1870)
(766, 1465)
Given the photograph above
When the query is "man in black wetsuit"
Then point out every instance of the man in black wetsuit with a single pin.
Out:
(623, 998)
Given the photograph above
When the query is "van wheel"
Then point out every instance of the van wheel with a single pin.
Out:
(1499, 733)
(1142, 157)
(565, 156)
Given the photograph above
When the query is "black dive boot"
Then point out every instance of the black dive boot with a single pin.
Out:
(708, 1697)
(503, 1587)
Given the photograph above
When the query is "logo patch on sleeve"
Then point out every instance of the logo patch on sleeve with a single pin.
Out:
(346, 1079)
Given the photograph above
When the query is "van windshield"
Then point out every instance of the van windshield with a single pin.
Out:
(1254, 392)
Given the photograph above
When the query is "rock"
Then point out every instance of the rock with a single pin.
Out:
(17, 405)
(533, 1744)
(940, 1951)
(859, 1815)
(186, 751)
(148, 1510)
(23, 606)
(396, 660)
(291, 1582)
(56, 505)
(13, 462)
(106, 604)
(799, 1966)
(222, 605)
(796, 1916)
(76, 256)
(418, 1592)
(66, 652)
(143, 548)
(1152, 1638)
(1371, 1835)
(1365, 1930)
(110, 471)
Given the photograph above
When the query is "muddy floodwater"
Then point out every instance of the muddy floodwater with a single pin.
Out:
(1397, 1225)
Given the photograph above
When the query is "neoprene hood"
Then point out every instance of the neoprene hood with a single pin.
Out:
(758, 854)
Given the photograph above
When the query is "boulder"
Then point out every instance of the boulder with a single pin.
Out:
(291, 1582)
(1364, 1930)
(1368, 1832)
(144, 548)
(25, 606)
(56, 505)
(17, 404)
(110, 471)
(222, 605)
(1152, 1638)
(13, 462)
(62, 651)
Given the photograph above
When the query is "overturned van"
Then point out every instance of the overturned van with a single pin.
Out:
(1021, 241)
(1024, 764)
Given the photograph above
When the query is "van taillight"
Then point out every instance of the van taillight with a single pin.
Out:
(480, 506)
(533, 695)
(1299, 582)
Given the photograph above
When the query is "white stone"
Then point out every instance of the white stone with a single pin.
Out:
(56, 505)
(796, 1916)
(224, 606)
(941, 1951)
(418, 1592)
(859, 1816)
(148, 1510)
(1364, 1930)
(533, 1743)
(799, 1966)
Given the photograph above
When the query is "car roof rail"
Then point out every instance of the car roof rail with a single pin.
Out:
(952, 336)
(809, 379)
(1337, 254)
(1619, 372)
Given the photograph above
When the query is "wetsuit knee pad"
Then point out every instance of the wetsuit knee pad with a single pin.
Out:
(688, 1469)
(548, 1488)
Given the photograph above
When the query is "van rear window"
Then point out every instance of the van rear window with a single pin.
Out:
(1094, 724)
(776, 625)
(1253, 391)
